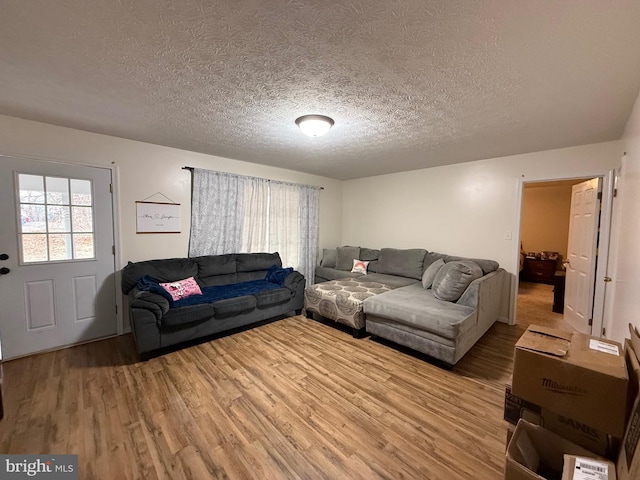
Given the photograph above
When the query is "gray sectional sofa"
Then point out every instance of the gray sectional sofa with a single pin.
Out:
(438, 304)
(238, 290)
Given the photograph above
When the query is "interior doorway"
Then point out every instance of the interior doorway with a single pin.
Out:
(544, 237)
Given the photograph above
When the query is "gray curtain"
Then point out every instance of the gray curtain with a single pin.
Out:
(217, 207)
(236, 214)
(309, 232)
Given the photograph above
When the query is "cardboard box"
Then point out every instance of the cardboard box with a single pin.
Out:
(510, 430)
(628, 465)
(535, 453)
(586, 436)
(575, 375)
(585, 468)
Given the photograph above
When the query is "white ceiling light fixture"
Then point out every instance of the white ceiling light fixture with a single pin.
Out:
(314, 125)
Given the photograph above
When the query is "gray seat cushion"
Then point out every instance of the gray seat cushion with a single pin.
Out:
(234, 306)
(413, 305)
(176, 317)
(272, 297)
(392, 281)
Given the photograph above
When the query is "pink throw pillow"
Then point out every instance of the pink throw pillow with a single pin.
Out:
(182, 288)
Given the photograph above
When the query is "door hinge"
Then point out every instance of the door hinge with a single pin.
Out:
(116, 309)
(590, 321)
(599, 195)
(604, 332)
(615, 192)
(111, 188)
(607, 279)
(113, 249)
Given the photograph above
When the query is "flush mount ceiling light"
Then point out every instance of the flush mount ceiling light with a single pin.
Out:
(314, 125)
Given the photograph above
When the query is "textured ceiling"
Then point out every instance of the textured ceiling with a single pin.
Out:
(410, 83)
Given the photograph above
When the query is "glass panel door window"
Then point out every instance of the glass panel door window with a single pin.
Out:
(55, 219)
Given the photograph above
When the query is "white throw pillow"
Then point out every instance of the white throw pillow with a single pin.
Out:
(359, 266)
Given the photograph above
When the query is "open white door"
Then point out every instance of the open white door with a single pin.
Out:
(582, 252)
(57, 266)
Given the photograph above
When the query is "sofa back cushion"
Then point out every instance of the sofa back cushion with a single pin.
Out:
(251, 262)
(453, 278)
(405, 263)
(369, 254)
(328, 258)
(215, 280)
(345, 256)
(165, 270)
(209, 265)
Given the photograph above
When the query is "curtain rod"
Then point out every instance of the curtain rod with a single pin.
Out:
(248, 176)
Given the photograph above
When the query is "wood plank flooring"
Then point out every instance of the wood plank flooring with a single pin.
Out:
(293, 399)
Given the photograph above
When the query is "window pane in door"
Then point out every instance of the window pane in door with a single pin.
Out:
(60, 247)
(33, 218)
(58, 219)
(82, 219)
(31, 188)
(83, 245)
(80, 192)
(34, 248)
(57, 191)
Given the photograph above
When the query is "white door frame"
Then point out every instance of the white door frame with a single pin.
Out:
(118, 264)
(603, 254)
(604, 241)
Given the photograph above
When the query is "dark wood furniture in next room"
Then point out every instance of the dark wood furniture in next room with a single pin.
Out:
(539, 270)
(558, 291)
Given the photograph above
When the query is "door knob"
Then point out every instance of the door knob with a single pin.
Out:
(4, 271)
(4, 256)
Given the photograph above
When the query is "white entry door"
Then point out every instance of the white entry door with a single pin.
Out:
(582, 252)
(57, 266)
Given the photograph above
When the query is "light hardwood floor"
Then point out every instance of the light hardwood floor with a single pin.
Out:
(291, 399)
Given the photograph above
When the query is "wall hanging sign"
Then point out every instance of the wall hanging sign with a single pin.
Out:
(157, 217)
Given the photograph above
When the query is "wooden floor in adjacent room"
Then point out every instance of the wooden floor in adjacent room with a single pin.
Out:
(291, 399)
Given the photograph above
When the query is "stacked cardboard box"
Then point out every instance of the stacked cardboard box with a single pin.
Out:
(578, 387)
(535, 453)
(628, 465)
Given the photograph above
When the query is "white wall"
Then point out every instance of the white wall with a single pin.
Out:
(623, 300)
(467, 209)
(144, 169)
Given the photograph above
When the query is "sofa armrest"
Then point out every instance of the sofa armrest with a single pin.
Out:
(153, 302)
(487, 296)
(293, 280)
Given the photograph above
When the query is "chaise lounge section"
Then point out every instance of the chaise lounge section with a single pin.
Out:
(437, 304)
